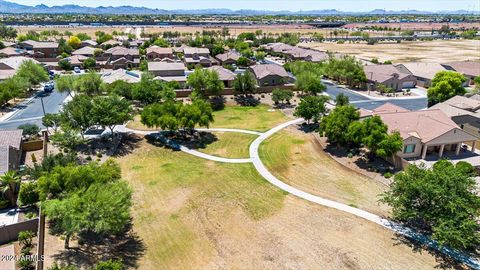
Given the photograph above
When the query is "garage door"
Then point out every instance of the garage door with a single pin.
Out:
(409, 84)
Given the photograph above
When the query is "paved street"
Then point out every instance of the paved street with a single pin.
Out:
(32, 112)
(369, 103)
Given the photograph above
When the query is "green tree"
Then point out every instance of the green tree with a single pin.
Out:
(342, 100)
(9, 182)
(67, 139)
(309, 83)
(148, 90)
(445, 85)
(111, 111)
(335, 124)
(242, 61)
(89, 84)
(29, 129)
(205, 82)
(101, 208)
(311, 108)
(77, 114)
(65, 84)
(32, 72)
(244, 83)
(440, 201)
(16, 86)
(260, 56)
(89, 63)
(161, 115)
(65, 64)
(28, 194)
(281, 95)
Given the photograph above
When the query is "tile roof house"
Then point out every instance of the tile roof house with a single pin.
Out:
(297, 53)
(198, 56)
(470, 69)
(121, 74)
(121, 57)
(86, 51)
(41, 49)
(424, 72)
(228, 58)
(89, 42)
(168, 72)
(464, 111)
(10, 150)
(156, 53)
(10, 65)
(10, 51)
(225, 75)
(389, 76)
(424, 131)
(270, 74)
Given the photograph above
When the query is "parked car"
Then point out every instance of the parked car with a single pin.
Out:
(48, 87)
(77, 70)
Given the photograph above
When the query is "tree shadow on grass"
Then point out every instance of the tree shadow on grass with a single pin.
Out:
(92, 248)
(444, 261)
(173, 140)
(248, 100)
(218, 103)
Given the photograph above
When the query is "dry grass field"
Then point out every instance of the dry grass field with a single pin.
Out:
(191, 213)
(439, 51)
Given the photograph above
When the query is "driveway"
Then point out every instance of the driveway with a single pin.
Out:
(370, 103)
(31, 112)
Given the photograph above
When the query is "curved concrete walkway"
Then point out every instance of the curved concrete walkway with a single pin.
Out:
(398, 228)
(192, 151)
(262, 170)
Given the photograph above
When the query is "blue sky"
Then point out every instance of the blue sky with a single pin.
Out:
(294, 5)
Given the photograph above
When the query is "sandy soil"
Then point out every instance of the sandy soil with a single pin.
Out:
(439, 51)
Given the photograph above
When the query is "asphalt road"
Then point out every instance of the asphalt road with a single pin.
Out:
(360, 101)
(32, 112)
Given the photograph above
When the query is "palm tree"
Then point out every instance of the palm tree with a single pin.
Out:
(9, 182)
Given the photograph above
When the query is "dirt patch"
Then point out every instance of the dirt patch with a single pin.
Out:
(438, 51)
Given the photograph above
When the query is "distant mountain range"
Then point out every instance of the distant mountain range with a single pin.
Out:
(9, 7)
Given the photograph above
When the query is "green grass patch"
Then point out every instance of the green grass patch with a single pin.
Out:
(229, 145)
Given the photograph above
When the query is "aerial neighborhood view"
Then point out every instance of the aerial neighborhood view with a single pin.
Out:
(254, 134)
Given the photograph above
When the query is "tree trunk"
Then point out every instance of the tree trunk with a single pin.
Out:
(67, 241)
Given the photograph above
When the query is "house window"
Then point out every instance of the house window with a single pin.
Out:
(409, 148)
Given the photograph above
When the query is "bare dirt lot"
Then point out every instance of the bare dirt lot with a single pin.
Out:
(439, 51)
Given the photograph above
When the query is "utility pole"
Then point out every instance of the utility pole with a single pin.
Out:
(43, 106)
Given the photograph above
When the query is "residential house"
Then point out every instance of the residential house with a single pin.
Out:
(469, 69)
(121, 57)
(40, 49)
(464, 111)
(10, 52)
(423, 132)
(89, 43)
(297, 53)
(10, 150)
(156, 53)
(198, 56)
(121, 74)
(168, 71)
(110, 43)
(228, 58)
(389, 76)
(423, 72)
(87, 51)
(10, 65)
(270, 75)
(224, 75)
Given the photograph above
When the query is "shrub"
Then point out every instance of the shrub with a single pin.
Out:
(109, 265)
(4, 203)
(29, 129)
(350, 155)
(466, 168)
(25, 238)
(34, 158)
(387, 175)
(24, 263)
(28, 194)
(99, 155)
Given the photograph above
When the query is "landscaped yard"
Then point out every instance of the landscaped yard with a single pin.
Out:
(258, 118)
(229, 145)
(295, 158)
(197, 214)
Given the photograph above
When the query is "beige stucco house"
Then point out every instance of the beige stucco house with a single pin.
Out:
(423, 132)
